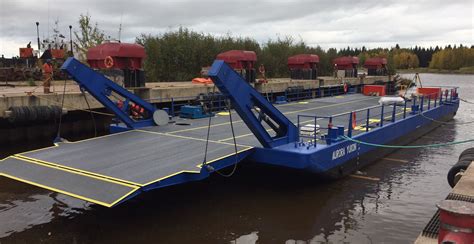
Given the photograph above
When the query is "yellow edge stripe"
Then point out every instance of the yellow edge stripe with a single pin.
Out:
(112, 179)
(192, 138)
(134, 187)
(199, 166)
(231, 138)
(291, 112)
(65, 192)
(225, 156)
(203, 127)
(72, 170)
(123, 197)
(72, 142)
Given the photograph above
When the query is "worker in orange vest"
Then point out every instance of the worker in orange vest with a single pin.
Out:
(47, 75)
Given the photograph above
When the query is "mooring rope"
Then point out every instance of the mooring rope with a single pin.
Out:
(408, 146)
(445, 122)
(466, 101)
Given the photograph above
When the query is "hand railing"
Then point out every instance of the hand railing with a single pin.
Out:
(363, 120)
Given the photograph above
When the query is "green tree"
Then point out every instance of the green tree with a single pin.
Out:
(405, 60)
(89, 36)
(452, 58)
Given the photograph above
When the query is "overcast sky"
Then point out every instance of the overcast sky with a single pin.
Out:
(327, 23)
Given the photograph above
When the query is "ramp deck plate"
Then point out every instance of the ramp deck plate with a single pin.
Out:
(92, 189)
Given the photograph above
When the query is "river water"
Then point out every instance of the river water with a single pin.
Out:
(256, 205)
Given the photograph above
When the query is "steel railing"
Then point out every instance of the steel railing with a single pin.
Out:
(363, 120)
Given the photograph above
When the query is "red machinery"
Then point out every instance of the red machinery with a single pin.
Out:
(303, 66)
(241, 61)
(127, 57)
(26, 52)
(374, 90)
(376, 66)
(58, 53)
(429, 92)
(348, 63)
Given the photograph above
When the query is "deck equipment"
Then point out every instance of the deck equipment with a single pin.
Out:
(193, 112)
(242, 61)
(346, 65)
(126, 58)
(376, 66)
(111, 169)
(303, 66)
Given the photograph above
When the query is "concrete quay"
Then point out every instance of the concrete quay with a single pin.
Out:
(155, 92)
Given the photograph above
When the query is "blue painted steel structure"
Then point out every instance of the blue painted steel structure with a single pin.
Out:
(323, 152)
(252, 107)
(288, 150)
(103, 89)
(193, 112)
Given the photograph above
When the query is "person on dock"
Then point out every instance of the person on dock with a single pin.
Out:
(47, 75)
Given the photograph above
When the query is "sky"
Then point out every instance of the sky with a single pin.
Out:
(327, 23)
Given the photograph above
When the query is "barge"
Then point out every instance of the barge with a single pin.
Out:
(150, 151)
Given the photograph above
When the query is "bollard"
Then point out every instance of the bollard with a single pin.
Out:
(456, 222)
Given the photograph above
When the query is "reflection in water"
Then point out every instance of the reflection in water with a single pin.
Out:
(251, 238)
(258, 204)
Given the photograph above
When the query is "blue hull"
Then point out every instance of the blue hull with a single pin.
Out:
(340, 158)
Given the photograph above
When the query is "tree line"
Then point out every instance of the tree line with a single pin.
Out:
(178, 55)
(453, 58)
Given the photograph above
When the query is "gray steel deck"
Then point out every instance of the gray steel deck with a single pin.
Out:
(107, 169)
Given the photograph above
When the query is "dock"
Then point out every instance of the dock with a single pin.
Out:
(462, 191)
(154, 92)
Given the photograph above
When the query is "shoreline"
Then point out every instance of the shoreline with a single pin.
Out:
(462, 71)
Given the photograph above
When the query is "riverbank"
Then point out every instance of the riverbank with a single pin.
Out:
(462, 71)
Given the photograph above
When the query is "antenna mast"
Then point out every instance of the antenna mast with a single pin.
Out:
(120, 29)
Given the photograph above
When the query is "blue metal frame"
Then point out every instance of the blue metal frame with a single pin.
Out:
(101, 88)
(247, 102)
(288, 151)
(322, 158)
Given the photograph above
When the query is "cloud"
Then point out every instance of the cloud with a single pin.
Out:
(337, 23)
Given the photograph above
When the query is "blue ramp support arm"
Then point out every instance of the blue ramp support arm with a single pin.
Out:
(252, 107)
(103, 89)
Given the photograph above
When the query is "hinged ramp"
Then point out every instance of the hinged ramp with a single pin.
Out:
(94, 189)
(110, 169)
